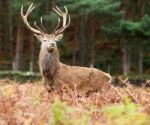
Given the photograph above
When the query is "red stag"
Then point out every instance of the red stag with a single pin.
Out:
(54, 73)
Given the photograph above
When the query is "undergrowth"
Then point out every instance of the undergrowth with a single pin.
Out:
(128, 113)
(62, 114)
(30, 104)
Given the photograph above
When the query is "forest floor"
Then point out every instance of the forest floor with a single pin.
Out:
(30, 104)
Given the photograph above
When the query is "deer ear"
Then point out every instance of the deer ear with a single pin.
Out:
(59, 37)
(38, 37)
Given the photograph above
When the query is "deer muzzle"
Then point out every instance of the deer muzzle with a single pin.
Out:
(51, 48)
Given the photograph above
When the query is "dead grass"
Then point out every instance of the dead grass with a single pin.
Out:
(29, 104)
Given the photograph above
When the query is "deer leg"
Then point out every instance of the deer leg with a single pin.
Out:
(47, 86)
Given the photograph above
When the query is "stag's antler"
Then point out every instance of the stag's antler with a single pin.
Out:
(38, 30)
(65, 23)
(25, 17)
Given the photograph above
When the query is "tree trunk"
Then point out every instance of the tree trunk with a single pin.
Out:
(10, 31)
(92, 62)
(47, 8)
(31, 53)
(142, 4)
(124, 58)
(140, 61)
(76, 40)
(19, 50)
(129, 60)
(84, 41)
(92, 34)
(74, 58)
(10, 34)
(0, 44)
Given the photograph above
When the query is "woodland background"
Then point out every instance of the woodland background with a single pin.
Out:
(112, 35)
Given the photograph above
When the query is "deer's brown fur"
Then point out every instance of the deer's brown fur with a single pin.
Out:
(56, 74)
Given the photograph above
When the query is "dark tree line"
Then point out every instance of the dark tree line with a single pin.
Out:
(113, 35)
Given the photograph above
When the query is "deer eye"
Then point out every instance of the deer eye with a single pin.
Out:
(44, 40)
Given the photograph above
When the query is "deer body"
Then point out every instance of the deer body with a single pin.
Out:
(56, 74)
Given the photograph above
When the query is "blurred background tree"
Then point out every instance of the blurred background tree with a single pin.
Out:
(112, 35)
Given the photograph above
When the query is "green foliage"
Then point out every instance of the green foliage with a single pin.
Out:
(101, 7)
(62, 114)
(135, 28)
(19, 76)
(16, 6)
(128, 113)
(145, 24)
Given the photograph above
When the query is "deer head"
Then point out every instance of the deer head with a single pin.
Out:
(48, 41)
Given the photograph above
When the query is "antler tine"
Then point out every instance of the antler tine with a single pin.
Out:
(59, 9)
(64, 16)
(25, 16)
(68, 21)
(66, 9)
(31, 7)
(37, 26)
(57, 25)
(42, 24)
(64, 27)
(22, 11)
(59, 13)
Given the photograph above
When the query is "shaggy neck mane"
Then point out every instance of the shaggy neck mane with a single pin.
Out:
(49, 63)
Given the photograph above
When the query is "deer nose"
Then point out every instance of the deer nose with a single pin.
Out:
(52, 45)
